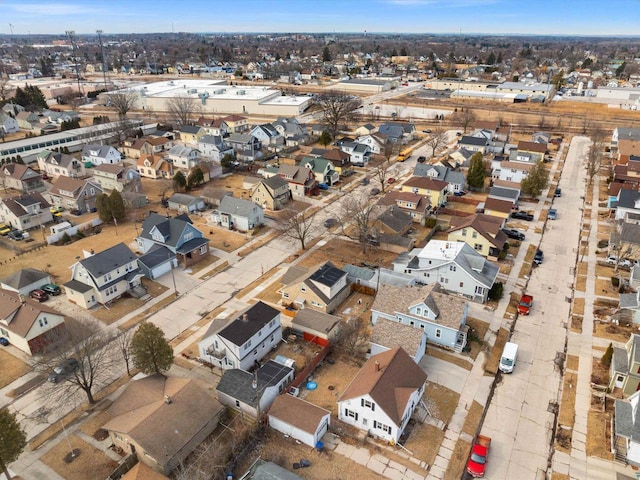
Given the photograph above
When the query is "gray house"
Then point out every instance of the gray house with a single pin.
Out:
(455, 265)
(184, 203)
(455, 180)
(428, 308)
(25, 280)
(238, 214)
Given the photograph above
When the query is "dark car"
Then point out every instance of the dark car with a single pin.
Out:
(4, 342)
(522, 216)
(323, 186)
(364, 181)
(422, 159)
(428, 130)
(330, 222)
(16, 235)
(538, 257)
(51, 289)
(460, 193)
(514, 234)
(39, 295)
(375, 191)
(65, 368)
(557, 193)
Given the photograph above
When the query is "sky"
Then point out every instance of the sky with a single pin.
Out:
(540, 17)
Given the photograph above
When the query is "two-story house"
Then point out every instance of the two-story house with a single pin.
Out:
(59, 164)
(383, 395)
(323, 170)
(28, 324)
(8, 124)
(154, 166)
(436, 190)
(137, 147)
(238, 214)
(103, 277)
(191, 134)
(236, 123)
(455, 265)
(474, 143)
(376, 143)
(214, 147)
(341, 160)
(624, 372)
(100, 154)
(429, 308)
(322, 289)
(413, 204)
(272, 193)
(25, 212)
(214, 126)
(481, 232)
(244, 340)
(267, 134)
(301, 180)
(388, 334)
(183, 157)
(359, 153)
(21, 178)
(455, 180)
(247, 147)
(626, 425)
(510, 171)
(398, 132)
(115, 176)
(74, 194)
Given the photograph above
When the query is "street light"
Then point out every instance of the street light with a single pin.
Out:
(71, 34)
(104, 67)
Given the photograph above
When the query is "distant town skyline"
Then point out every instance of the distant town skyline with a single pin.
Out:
(542, 17)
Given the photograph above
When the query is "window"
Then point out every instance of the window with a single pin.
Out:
(461, 284)
(444, 280)
(303, 289)
(477, 247)
(474, 234)
(237, 403)
(464, 232)
(418, 311)
(285, 295)
(350, 414)
(479, 290)
(43, 321)
(452, 268)
(368, 404)
(203, 249)
(438, 332)
(381, 426)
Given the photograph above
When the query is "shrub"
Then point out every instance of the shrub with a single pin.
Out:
(430, 222)
(496, 292)
(608, 355)
(615, 281)
(65, 238)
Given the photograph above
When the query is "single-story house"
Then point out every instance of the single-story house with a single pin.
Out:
(185, 203)
(316, 327)
(238, 214)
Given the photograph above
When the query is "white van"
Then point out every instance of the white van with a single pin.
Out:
(509, 357)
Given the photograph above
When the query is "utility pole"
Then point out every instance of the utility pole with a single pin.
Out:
(71, 34)
(104, 67)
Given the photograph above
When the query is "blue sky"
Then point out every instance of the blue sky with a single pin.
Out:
(545, 17)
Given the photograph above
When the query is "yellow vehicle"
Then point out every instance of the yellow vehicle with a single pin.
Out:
(4, 229)
(404, 154)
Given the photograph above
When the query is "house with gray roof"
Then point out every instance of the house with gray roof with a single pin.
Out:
(387, 334)
(398, 132)
(455, 180)
(243, 340)
(25, 280)
(56, 164)
(238, 214)
(103, 277)
(505, 193)
(627, 430)
(272, 193)
(214, 147)
(25, 211)
(359, 153)
(167, 238)
(628, 202)
(392, 220)
(624, 372)
(474, 144)
(301, 180)
(100, 154)
(185, 203)
(246, 146)
(323, 288)
(183, 157)
(253, 393)
(315, 327)
(631, 303)
(455, 265)
(323, 169)
(374, 277)
(428, 308)
(267, 134)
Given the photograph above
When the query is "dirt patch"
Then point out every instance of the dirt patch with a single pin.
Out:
(581, 283)
(578, 306)
(576, 323)
(572, 363)
(491, 367)
(340, 252)
(458, 460)
(225, 240)
(12, 368)
(477, 331)
(606, 288)
(89, 459)
(472, 420)
(598, 435)
(436, 352)
(617, 333)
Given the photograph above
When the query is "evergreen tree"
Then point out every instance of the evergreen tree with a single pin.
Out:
(12, 440)
(326, 54)
(118, 210)
(104, 208)
(150, 349)
(179, 182)
(536, 181)
(476, 173)
(196, 177)
(325, 138)
(491, 60)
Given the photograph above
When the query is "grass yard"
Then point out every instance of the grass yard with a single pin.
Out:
(477, 331)
(424, 442)
(147, 313)
(12, 368)
(581, 283)
(491, 367)
(606, 271)
(448, 357)
(605, 288)
(472, 420)
(96, 421)
(512, 308)
(572, 363)
(578, 306)
(582, 268)
(90, 459)
(338, 376)
(340, 252)
(458, 460)
(566, 417)
(441, 401)
(598, 435)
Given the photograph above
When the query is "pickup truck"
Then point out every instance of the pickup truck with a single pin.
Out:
(524, 307)
(478, 458)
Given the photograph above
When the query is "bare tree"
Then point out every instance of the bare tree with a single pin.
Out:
(5, 89)
(123, 101)
(354, 335)
(383, 172)
(182, 109)
(624, 240)
(357, 218)
(438, 138)
(338, 109)
(123, 343)
(297, 226)
(467, 117)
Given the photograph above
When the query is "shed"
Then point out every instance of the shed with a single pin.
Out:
(185, 203)
(299, 419)
(316, 327)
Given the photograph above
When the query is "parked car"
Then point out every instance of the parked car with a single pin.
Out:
(375, 191)
(557, 193)
(364, 181)
(513, 234)
(64, 369)
(422, 159)
(524, 307)
(428, 130)
(51, 289)
(4, 342)
(330, 222)
(478, 459)
(38, 294)
(4, 229)
(538, 257)
(553, 214)
(460, 193)
(391, 180)
(522, 216)
(56, 209)
(16, 235)
(323, 186)
(613, 259)
(77, 212)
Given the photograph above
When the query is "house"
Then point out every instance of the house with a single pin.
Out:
(254, 393)
(628, 202)
(455, 180)
(366, 129)
(461, 157)
(290, 128)
(154, 166)
(185, 203)
(25, 280)
(393, 221)
(272, 193)
(322, 169)
(8, 124)
(322, 289)
(630, 302)
(316, 327)
(436, 190)
(261, 470)
(481, 232)
(173, 237)
(429, 308)
(341, 160)
(247, 147)
(236, 123)
(162, 420)
(115, 176)
(474, 144)
(504, 193)
(624, 372)
(413, 204)
(29, 325)
(74, 194)
(626, 441)
(238, 214)
(387, 334)
(25, 212)
(103, 277)
(214, 147)
(100, 154)
(26, 120)
(359, 153)
(299, 419)
(137, 147)
(398, 132)
(183, 157)
(520, 162)
(243, 341)
(455, 265)
(376, 142)
(267, 134)
(301, 180)
(59, 164)
(500, 209)
(373, 278)
(140, 471)
(383, 395)
(20, 177)
(214, 126)
(191, 134)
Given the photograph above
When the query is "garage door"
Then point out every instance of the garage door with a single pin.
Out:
(161, 269)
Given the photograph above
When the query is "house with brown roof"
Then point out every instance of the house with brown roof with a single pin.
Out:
(436, 190)
(341, 160)
(116, 176)
(140, 471)
(28, 324)
(154, 166)
(25, 211)
(21, 178)
(626, 149)
(162, 420)
(392, 221)
(415, 205)
(383, 395)
(74, 194)
(301, 180)
(498, 208)
(481, 232)
(214, 126)
(386, 335)
(299, 419)
(236, 123)
(323, 288)
(137, 147)
(429, 308)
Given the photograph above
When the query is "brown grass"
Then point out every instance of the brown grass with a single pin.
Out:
(576, 323)
(95, 422)
(441, 400)
(472, 420)
(605, 288)
(512, 308)
(531, 251)
(578, 306)
(476, 336)
(12, 368)
(568, 403)
(147, 313)
(448, 357)
(559, 476)
(572, 363)
(458, 460)
(598, 435)
(90, 459)
(617, 333)
(424, 442)
(491, 367)
(606, 271)
(338, 375)
(340, 252)
(261, 281)
(581, 283)
(202, 264)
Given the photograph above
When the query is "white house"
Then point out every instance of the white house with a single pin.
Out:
(8, 124)
(25, 280)
(25, 212)
(100, 154)
(213, 147)
(359, 152)
(455, 265)
(183, 157)
(383, 395)
(243, 341)
(238, 214)
(299, 419)
(627, 429)
(374, 142)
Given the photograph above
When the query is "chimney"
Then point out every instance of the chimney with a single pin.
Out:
(167, 399)
(254, 382)
(245, 317)
(377, 366)
(21, 298)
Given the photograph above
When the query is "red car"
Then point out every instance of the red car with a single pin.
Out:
(391, 180)
(524, 307)
(39, 295)
(478, 458)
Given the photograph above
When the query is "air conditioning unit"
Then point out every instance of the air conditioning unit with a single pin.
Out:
(294, 391)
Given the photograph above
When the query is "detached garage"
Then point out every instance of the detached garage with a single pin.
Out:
(299, 419)
(316, 327)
